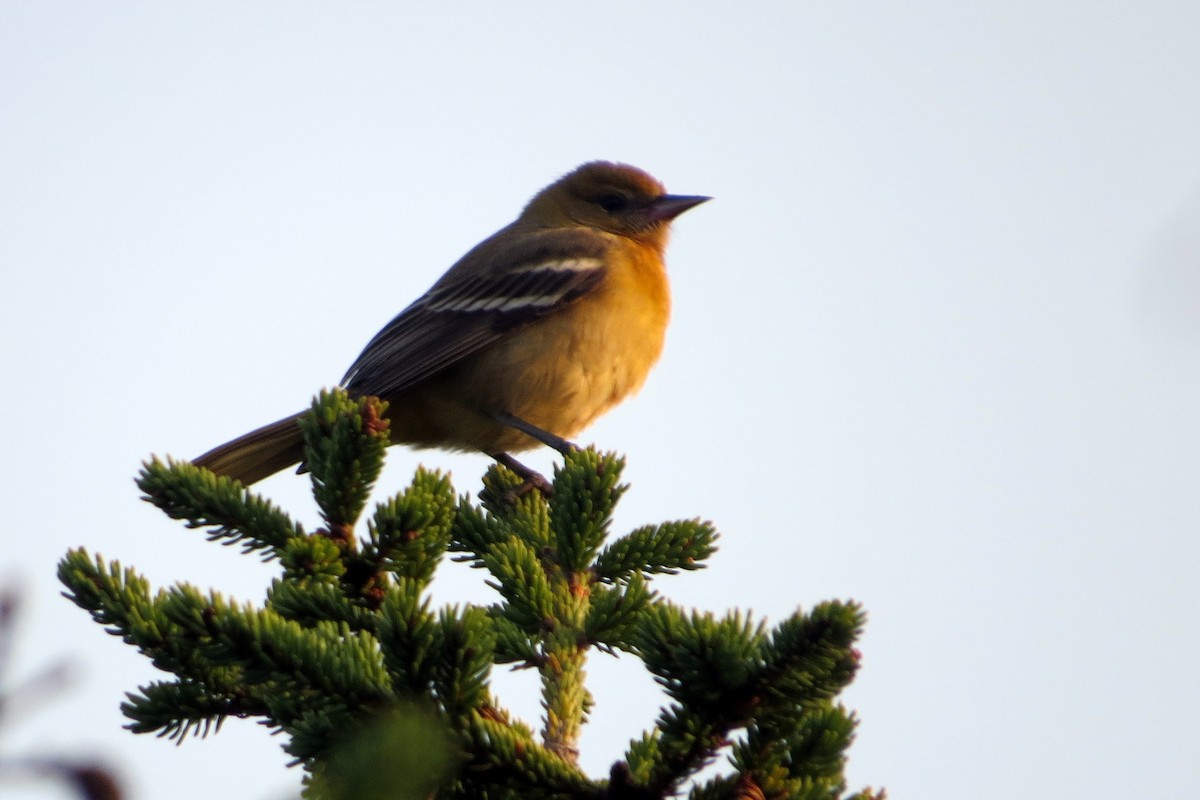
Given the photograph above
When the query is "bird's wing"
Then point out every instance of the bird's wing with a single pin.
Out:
(502, 285)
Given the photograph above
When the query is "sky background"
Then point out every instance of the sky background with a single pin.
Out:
(935, 347)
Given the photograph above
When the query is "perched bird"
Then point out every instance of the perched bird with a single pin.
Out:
(530, 336)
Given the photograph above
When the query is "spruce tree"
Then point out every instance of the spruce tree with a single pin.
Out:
(379, 694)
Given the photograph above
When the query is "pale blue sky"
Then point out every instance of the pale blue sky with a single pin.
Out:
(936, 343)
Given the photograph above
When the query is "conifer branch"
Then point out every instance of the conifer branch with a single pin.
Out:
(410, 532)
(204, 500)
(347, 638)
(658, 549)
(344, 442)
(178, 709)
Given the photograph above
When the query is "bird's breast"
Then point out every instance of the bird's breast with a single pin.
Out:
(566, 369)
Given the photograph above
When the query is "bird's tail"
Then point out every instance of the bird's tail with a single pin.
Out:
(258, 454)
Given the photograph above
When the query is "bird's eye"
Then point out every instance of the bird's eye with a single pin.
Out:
(612, 202)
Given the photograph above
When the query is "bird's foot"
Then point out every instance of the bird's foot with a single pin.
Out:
(531, 479)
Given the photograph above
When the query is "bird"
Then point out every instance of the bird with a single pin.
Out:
(526, 340)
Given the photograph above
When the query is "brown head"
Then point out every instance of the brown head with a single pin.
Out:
(616, 198)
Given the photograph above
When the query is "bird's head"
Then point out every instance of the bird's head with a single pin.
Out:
(616, 198)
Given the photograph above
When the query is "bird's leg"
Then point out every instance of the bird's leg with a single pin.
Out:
(545, 437)
(531, 479)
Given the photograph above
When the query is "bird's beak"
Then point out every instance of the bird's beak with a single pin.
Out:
(669, 206)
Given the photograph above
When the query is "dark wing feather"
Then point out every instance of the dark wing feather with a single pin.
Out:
(499, 287)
